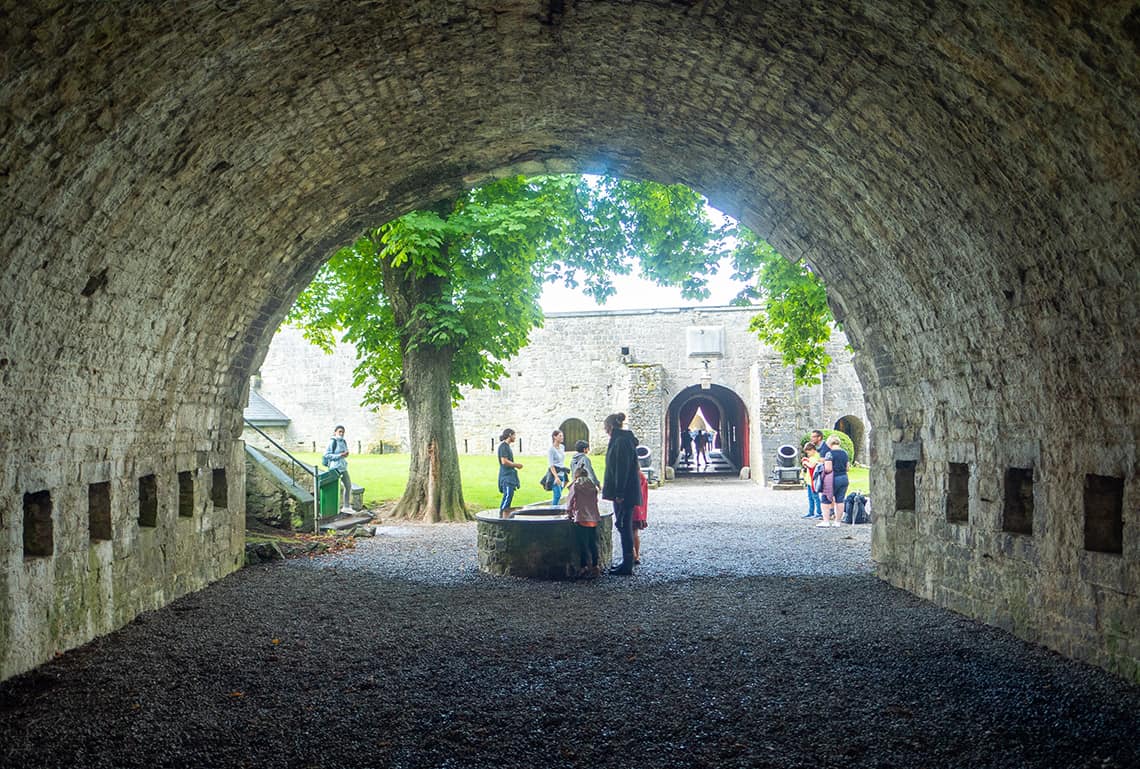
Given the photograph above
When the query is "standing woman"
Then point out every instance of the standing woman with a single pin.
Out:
(835, 463)
(556, 458)
(508, 471)
(622, 485)
(336, 458)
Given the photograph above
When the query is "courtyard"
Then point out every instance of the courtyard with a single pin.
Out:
(748, 638)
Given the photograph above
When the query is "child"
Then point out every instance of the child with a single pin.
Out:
(640, 518)
(811, 464)
(582, 509)
(582, 459)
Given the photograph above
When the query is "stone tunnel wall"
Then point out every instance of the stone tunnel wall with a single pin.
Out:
(962, 174)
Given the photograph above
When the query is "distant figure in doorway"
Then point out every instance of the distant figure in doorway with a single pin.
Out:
(701, 444)
(582, 459)
(812, 463)
(508, 471)
(640, 518)
(556, 459)
(336, 459)
(834, 483)
(622, 485)
(687, 445)
(582, 509)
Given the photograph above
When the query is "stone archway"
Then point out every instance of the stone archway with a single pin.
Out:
(852, 426)
(174, 174)
(574, 430)
(725, 414)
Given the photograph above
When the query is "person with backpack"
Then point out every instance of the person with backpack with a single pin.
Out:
(336, 458)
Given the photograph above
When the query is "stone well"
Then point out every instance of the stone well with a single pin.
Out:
(536, 542)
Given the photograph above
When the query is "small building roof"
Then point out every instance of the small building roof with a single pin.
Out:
(261, 412)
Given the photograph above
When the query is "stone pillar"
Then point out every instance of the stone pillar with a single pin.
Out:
(647, 406)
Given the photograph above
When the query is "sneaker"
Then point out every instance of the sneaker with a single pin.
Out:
(808, 515)
(836, 523)
(823, 525)
(348, 510)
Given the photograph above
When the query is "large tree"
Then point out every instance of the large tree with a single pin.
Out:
(795, 319)
(440, 298)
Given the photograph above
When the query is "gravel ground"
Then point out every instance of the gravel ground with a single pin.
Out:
(748, 638)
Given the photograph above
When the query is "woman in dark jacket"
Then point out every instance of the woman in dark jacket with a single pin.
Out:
(622, 485)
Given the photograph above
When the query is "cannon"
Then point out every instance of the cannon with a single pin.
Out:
(786, 475)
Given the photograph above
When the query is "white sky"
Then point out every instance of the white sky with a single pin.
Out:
(633, 293)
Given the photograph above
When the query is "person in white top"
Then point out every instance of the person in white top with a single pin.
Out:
(556, 459)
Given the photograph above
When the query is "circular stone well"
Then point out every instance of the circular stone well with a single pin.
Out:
(536, 542)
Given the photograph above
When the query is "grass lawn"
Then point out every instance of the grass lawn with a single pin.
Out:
(383, 477)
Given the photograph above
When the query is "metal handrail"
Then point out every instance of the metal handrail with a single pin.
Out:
(309, 470)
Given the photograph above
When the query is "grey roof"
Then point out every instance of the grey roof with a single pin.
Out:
(262, 412)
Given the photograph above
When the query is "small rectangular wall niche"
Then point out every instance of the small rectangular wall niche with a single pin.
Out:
(185, 494)
(1017, 512)
(958, 498)
(99, 511)
(219, 489)
(904, 485)
(38, 541)
(1104, 514)
(148, 501)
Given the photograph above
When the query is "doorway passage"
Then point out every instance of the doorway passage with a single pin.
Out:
(707, 432)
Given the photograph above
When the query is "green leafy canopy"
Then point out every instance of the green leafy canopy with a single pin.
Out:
(464, 280)
(796, 319)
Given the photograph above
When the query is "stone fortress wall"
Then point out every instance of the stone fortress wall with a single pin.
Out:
(581, 365)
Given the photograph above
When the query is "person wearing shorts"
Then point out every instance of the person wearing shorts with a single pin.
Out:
(835, 483)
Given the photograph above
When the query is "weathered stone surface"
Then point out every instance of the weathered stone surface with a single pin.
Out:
(260, 552)
(962, 174)
(542, 391)
(536, 546)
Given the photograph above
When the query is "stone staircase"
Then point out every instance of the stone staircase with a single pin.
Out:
(303, 494)
(718, 465)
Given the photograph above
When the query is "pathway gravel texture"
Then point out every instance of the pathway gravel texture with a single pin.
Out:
(748, 638)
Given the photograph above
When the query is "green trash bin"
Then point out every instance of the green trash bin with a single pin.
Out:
(329, 497)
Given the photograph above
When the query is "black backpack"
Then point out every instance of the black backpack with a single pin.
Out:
(855, 509)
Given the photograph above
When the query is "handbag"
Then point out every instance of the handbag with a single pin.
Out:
(547, 481)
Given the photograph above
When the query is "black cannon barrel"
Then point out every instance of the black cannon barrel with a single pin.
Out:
(786, 456)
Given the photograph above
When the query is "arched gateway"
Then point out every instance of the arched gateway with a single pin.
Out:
(960, 173)
(725, 415)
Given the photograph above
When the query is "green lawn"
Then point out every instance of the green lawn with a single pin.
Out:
(383, 477)
(858, 478)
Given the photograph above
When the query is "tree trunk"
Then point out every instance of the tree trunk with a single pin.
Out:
(434, 492)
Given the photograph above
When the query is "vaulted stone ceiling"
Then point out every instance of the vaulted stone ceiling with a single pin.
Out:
(964, 176)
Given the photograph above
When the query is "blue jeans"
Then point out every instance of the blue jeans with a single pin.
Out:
(814, 506)
(557, 487)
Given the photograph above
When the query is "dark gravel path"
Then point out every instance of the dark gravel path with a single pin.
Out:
(749, 639)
